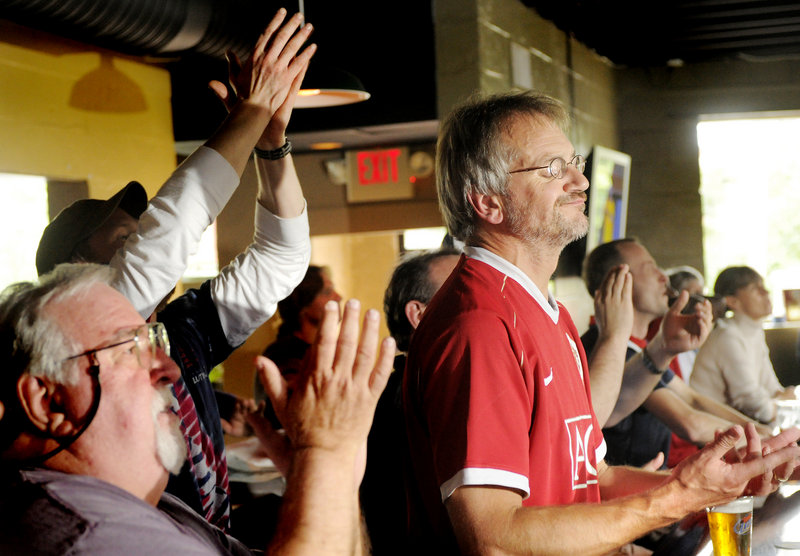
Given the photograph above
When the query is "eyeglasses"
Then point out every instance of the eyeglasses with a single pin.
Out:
(147, 339)
(557, 166)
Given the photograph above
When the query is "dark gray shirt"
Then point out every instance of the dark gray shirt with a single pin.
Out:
(47, 512)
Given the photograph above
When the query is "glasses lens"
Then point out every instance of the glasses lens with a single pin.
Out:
(579, 162)
(160, 339)
(556, 168)
(148, 340)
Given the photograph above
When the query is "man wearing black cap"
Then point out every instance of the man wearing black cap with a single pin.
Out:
(205, 325)
(92, 229)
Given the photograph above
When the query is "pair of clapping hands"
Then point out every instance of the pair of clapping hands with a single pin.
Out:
(330, 404)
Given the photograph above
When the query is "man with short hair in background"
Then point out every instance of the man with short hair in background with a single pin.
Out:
(414, 281)
(672, 406)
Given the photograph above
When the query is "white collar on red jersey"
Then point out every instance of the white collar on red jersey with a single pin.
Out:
(548, 304)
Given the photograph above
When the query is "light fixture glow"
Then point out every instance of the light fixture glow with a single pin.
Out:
(326, 146)
(329, 86)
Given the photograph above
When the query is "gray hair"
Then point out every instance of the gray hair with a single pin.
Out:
(473, 152)
(679, 276)
(31, 341)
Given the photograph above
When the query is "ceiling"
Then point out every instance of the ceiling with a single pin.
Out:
(651, 33)
(390, 47)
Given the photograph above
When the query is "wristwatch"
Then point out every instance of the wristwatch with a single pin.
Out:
(649, 364)
(274, 154)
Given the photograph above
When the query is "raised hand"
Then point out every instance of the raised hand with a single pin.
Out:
(686, 332)
(269, 73)
(613, 303)
(330, 403)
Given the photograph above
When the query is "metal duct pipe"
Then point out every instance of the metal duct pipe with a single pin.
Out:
(148, 27)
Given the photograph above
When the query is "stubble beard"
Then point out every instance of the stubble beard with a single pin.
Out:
(557, 232)
(170, 444)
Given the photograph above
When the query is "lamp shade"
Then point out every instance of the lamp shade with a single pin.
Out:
(329, 86)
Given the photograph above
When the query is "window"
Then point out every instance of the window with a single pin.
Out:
(750, 188)
(23, 216)
(422, 238)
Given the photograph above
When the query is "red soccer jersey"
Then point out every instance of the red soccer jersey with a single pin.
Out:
(497, 393)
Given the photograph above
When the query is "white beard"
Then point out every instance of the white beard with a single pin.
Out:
(170, 445)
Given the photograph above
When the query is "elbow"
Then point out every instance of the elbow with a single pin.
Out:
(698, 437)
(692, 430)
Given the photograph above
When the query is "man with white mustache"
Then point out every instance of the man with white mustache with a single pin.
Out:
(87, 438)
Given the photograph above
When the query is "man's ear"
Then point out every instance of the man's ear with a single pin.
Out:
(414, 310)
(41, 402)
(487, 207)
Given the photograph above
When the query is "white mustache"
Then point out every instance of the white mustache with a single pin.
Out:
(162, 401)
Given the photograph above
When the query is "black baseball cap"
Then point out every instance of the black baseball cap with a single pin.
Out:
(80, 220)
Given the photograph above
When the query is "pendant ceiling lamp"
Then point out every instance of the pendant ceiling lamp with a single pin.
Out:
(329, 86)
(325, 85)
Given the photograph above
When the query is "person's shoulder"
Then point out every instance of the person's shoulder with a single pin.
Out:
(724, 334)
(56, 513)
(195, 304)
(194, 327)
(33, 521)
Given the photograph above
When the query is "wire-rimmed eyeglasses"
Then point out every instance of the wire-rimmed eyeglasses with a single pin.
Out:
(147, 339)
(557, 166)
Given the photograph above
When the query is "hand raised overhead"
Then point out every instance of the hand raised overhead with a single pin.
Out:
(272, 75)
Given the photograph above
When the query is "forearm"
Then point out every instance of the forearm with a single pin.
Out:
(699, 427)
(723, 411)
(319, 513)
(279, 188)
(486, 522)
(618, 481)
(638, 382)
(606, 371)
(239, 133)
(362, 543)
(246, 292)
(154, 259)
(677, 412)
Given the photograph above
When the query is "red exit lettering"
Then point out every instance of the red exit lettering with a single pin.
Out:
(377, 166)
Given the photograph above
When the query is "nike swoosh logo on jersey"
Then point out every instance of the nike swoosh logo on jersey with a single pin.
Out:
(548, 379)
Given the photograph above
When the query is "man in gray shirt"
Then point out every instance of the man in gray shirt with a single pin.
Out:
(87, 439)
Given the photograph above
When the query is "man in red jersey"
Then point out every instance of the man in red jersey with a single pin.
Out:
(507, 453)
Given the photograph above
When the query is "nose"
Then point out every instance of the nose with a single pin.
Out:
(576, 181)
(164, 371)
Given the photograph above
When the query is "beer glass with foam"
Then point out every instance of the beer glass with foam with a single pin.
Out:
(731, 527)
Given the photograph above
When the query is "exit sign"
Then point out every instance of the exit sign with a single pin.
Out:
(378, 175)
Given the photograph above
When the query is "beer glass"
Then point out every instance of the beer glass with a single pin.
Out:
(731, 527)
(787, 413)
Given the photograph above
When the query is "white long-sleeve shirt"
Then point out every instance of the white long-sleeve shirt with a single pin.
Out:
(733, 367)
(246, 291)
